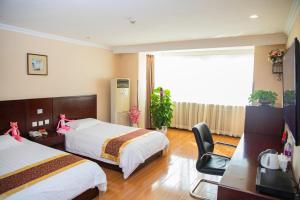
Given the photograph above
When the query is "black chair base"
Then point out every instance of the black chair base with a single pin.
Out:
(193, 194)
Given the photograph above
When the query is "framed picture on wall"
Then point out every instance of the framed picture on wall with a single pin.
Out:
(37, 64)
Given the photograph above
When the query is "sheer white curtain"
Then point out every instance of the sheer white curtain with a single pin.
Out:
(213, 88)
(225, 120)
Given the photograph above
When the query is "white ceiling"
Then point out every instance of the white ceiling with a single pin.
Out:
(105, 22)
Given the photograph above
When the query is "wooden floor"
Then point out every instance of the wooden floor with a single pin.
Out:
(168, 177)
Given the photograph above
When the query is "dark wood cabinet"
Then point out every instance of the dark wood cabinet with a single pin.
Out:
(264, 120)
(239, 179)
(53, 139)
(263, 129)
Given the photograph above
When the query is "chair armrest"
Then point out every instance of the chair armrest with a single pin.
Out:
(226, 144)
(213, 154)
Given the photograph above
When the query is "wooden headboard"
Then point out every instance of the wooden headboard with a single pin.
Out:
(32, 116)
(12, 111)
(76, 107)
(25, 111)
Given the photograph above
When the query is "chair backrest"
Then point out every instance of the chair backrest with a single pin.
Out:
(203, 138)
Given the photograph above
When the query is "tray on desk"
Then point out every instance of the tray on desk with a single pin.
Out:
(275, 183)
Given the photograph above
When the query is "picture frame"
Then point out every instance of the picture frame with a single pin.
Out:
(37, 64)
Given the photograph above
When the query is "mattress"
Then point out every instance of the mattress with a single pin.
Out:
(88, 142)
(66, 184)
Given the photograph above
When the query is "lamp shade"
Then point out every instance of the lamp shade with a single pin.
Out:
(277, 68)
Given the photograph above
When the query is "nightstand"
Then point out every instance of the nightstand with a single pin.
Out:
(53, 139)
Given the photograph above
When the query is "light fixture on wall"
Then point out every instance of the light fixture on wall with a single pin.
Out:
(277, 68)
(276, 58)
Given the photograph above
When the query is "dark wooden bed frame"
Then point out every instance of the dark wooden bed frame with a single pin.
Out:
(74, 107)
(25, 112)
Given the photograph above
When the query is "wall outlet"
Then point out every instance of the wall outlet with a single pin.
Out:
(41, 123)
(39, 111)
(34, 124)
(47, 121)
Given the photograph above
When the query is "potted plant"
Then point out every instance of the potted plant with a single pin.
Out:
(134, 115)
(263, 97)
(161, 109)
(289, 97)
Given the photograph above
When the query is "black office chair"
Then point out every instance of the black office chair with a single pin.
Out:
(208, 162)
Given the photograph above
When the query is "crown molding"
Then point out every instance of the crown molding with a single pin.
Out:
(211, 51)
(293, 14)
(51, 36)
(252, 40)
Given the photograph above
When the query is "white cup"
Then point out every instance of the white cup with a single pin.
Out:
(283, 161)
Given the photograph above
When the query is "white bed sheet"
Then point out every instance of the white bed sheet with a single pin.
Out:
(88, 142)
(65, 185)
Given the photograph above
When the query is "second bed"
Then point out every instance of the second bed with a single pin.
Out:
(123, 146)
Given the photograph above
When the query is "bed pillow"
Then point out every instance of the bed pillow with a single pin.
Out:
(83, 123)
(6, 142)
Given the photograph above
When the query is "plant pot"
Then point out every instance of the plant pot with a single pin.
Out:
(163, 129)
(264, 102)
(134, 125)
(290, 102)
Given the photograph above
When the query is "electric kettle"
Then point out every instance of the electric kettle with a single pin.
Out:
(269, 159)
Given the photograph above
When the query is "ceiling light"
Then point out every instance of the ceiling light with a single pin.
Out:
(253, 16)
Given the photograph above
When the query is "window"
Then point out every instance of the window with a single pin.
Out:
(211, 78)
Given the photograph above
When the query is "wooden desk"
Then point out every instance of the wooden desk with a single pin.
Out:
(238, 181)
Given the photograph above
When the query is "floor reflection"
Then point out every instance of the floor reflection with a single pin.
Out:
(169, 177)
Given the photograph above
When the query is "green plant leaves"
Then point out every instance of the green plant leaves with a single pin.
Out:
(263, 96)
(161, 108)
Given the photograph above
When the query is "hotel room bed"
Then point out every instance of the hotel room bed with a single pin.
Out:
(24, 172)
(85, 142)
(89, 141)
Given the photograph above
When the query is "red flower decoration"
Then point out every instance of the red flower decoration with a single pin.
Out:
(134, 115)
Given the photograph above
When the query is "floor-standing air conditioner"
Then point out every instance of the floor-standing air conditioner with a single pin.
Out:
(120, 100)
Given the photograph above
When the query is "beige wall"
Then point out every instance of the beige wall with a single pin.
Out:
(127, 67)
(73, 70)
(133, 66)
(295, 31)
(263, 79)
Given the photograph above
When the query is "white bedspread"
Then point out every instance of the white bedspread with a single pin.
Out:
(88, 142)
(65, 185)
